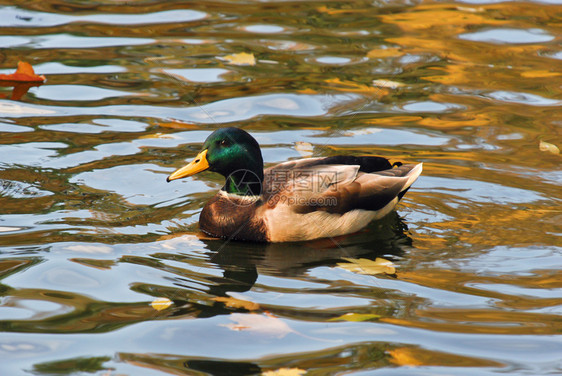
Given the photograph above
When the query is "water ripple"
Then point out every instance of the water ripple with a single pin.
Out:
(16, 17)
(509, 36)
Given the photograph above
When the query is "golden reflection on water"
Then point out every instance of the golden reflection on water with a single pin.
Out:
(91, 233)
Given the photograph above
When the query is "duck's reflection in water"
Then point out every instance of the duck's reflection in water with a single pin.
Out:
(242, 262)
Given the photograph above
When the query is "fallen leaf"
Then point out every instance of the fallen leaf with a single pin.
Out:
(264, 324)
(387, 84)
(242, 58)
(285, 372)
(356, 317)
(160, 304)
(548, 147)
(22, 80)
(237, 303)
(24, 73)
(366, 266)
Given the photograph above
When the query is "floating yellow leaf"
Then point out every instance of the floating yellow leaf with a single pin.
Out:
(356, 317)
(160, 304)
(388, 84)
(545, 146)
(237, 303)
(242, 58)
(285, 372)
(366, 266)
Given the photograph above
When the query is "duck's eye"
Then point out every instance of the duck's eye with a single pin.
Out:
(224, 143)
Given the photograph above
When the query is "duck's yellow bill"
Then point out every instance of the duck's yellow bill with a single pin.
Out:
(199, 164)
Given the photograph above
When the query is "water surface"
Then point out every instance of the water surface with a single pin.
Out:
(91, 233)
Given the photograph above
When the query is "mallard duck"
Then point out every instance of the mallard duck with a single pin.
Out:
(297, 200)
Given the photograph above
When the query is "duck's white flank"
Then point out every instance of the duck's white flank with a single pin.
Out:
(283, 224)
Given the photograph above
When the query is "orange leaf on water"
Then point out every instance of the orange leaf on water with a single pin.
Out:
(24, 73)
(22, 80)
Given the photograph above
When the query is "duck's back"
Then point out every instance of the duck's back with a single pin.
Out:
(323, 197)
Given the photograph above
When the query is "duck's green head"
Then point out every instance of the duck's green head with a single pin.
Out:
(233, 153)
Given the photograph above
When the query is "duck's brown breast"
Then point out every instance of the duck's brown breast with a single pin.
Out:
(233, 217)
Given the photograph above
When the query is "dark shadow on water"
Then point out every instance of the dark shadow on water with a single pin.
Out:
(222, 368)
(384, 238)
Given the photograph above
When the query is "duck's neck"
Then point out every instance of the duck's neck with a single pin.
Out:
(244, 182)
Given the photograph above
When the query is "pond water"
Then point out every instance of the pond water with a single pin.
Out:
(91, 233)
